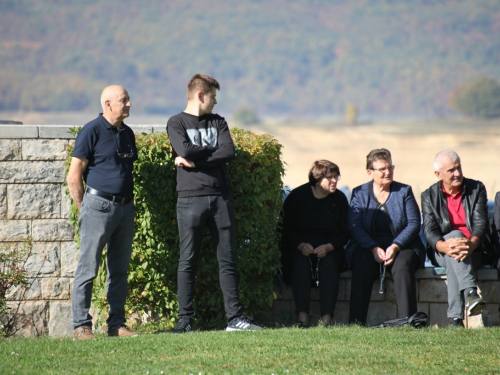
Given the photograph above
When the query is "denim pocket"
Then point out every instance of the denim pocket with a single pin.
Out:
(184, 201)
(97, 204)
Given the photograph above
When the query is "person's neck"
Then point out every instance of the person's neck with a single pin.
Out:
(116, 122)
(193, 109)
(452, 190)
(318, 192)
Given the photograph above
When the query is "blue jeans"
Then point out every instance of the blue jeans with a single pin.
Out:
(103, 222)
(193, 213)
(459, 275)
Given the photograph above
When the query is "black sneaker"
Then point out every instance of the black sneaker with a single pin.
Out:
(242, 323)
(183, 326)
(474, 304)
(455, 322)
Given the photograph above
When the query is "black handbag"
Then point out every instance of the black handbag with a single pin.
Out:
(417, 320)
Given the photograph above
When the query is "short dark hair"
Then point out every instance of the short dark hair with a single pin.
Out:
(320, 169)
(202, 82)
(377, 154)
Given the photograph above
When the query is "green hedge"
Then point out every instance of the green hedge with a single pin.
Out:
(256, 184)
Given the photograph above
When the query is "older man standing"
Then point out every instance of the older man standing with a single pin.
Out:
(455, 222)
(103, 157)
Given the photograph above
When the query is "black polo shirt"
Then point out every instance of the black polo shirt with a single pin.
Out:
(99, 142)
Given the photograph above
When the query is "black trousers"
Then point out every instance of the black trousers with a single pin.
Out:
(329, 273)
(365, 270)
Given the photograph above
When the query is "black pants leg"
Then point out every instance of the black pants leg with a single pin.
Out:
(364, 272)
(403, 274)
(329, 274)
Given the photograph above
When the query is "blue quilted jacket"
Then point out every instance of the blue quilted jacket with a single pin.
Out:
(402, 209)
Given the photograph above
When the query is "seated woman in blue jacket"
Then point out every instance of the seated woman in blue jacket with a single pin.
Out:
(384, 222)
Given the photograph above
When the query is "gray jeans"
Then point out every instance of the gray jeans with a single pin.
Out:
(460, 276)
(103, 222)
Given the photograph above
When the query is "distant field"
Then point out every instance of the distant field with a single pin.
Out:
(413, 145)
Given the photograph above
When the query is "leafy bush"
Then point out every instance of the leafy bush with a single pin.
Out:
(479, 98)
(256, 187)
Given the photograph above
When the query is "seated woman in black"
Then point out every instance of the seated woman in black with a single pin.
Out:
(314, 234)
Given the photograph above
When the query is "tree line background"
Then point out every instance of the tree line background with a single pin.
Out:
(280, 57)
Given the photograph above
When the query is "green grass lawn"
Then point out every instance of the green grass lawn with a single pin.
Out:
(271, 351)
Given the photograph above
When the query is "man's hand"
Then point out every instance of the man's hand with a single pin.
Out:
(75, 181)
(181, 162)
(305, 248)
(322, 250)
(458, 248)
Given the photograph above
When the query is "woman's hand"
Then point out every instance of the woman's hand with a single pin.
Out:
(390, 253)
(305, 248)
(322, 250)
(378, 254)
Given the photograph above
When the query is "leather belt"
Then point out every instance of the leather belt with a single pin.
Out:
(109, 197)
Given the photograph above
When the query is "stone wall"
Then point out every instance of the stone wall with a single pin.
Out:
(34, 204)
(432, 299)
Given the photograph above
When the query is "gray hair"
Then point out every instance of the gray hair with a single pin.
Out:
(448, 154)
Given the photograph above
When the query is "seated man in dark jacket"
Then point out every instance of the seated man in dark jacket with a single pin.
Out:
(455, 222)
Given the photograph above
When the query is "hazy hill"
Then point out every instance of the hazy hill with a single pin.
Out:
(282, 57)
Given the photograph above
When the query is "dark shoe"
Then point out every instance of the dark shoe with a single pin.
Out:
(242, 323)
(455, 322)
(183, 327)
(299, 324)
(83, 333)
(474, 304)
(122, 331)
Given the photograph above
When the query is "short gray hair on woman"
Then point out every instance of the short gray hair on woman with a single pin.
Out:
(448, 154)
(377, 154)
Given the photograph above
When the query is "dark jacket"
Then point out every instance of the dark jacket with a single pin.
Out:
(437, 217)
(402, 210)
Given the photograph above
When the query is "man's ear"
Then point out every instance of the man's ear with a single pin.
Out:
(438, 175)
(201, 96)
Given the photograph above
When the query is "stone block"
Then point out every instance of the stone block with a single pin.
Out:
(380, 311)
(56, 131)
(69, 258)
(10, 149)
(34, 201)
(341, 313)
(14, 230)
(473, 322)
(44, 149)
(139, 129)
(52, 230)
(32, 292)
(60, 322)
(487, 274)
(31, 318)
(160, 128)
(423, 307)
(31, 172)
(16, 131)
(3, 201)
(45, 259)
(490, 291)
(432, 290)
(491, 315)
(283, 312)
(390, 293)
(437, 314)
(342, 296)
(428, 273)
(55, 288)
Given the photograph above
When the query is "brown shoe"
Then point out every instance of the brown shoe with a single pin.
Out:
(122, 331)
(83, 333)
